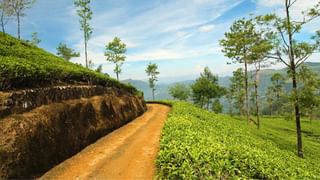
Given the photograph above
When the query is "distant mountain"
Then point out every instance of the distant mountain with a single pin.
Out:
(162, 88)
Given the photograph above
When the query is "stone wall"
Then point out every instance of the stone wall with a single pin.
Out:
(35, 141)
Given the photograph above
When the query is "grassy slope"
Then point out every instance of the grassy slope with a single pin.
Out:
(197, 144)
(23, 65)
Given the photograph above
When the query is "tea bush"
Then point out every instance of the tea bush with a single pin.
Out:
(197, 144)
(23, 65)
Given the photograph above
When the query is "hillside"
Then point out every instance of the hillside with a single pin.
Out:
(50, 109)
(23, 65)
(162, 89)
(197, 144)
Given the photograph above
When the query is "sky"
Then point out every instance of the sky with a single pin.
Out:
(180, 36)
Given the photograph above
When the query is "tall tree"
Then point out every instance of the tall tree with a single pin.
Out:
(206, 88)
(5, 12)
(275, 93)
(257, 55)
(19, 7)
(180, 91)
(277, 81)
(237, 45)
(237, 91)
(65, 52)
(115, 53)
(152, 72)
(290, 51)
(309, 91)
(85, 14)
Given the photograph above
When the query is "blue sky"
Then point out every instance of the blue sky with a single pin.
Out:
(181, 36)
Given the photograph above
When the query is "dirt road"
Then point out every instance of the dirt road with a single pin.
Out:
(127, 153)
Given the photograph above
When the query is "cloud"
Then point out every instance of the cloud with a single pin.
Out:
(206, 28)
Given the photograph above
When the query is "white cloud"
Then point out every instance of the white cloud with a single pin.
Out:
(270, 3)
(206, 28)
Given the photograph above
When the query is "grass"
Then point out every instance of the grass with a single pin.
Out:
(197, 144)
(23, 65)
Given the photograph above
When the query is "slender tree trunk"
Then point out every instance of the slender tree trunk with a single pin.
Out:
(257, 103)
(270, 106)
(297, 114)
(208, 104)
(117, 76)
(256, 86)
(2, 23)
(85, 51)
(246, 90)
(153, 93)
(294, 82)
(18, 18)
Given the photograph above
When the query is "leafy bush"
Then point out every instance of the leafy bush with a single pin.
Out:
(197, 144)
(23, 65)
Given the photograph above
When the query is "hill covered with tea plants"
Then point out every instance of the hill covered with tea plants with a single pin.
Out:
(23, 65)
(197, 144)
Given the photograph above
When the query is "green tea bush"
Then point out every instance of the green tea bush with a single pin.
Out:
(197, 144)
(23, 65)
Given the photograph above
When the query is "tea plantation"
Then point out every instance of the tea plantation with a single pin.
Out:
(23, 65)
(197, 144)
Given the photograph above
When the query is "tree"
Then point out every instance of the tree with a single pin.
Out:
(180, 91)
(85, 14)
(278, 82)
(229, 96)
(217, 106)
(5, 12)
(99, 68)
(257, 55)
(35, 40)
(237, 45)
(275, 93)
(152, 72)
(308, 91)
(115, 53)
(270, 99)
(19, 7)
(292, 52)
(66, 53)
(237, 91)
(206, 88)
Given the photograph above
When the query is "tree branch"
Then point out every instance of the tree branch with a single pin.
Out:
(302, 60)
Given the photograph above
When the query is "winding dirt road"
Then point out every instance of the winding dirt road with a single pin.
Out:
(127, 153)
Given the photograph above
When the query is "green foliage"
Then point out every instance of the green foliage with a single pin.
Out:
(18, 8)
(85, 14)
(180, 91)
(275, 94)
(35, 39)
(115, 53)
(236, 93)
(23, 65)
(206, 88)
(152, 72)
(309, 91)
(197, 144)
(66, 53)
(217, 106)
(5, 12)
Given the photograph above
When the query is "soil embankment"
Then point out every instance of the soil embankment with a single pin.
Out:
(127, 153)
(36, 140)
